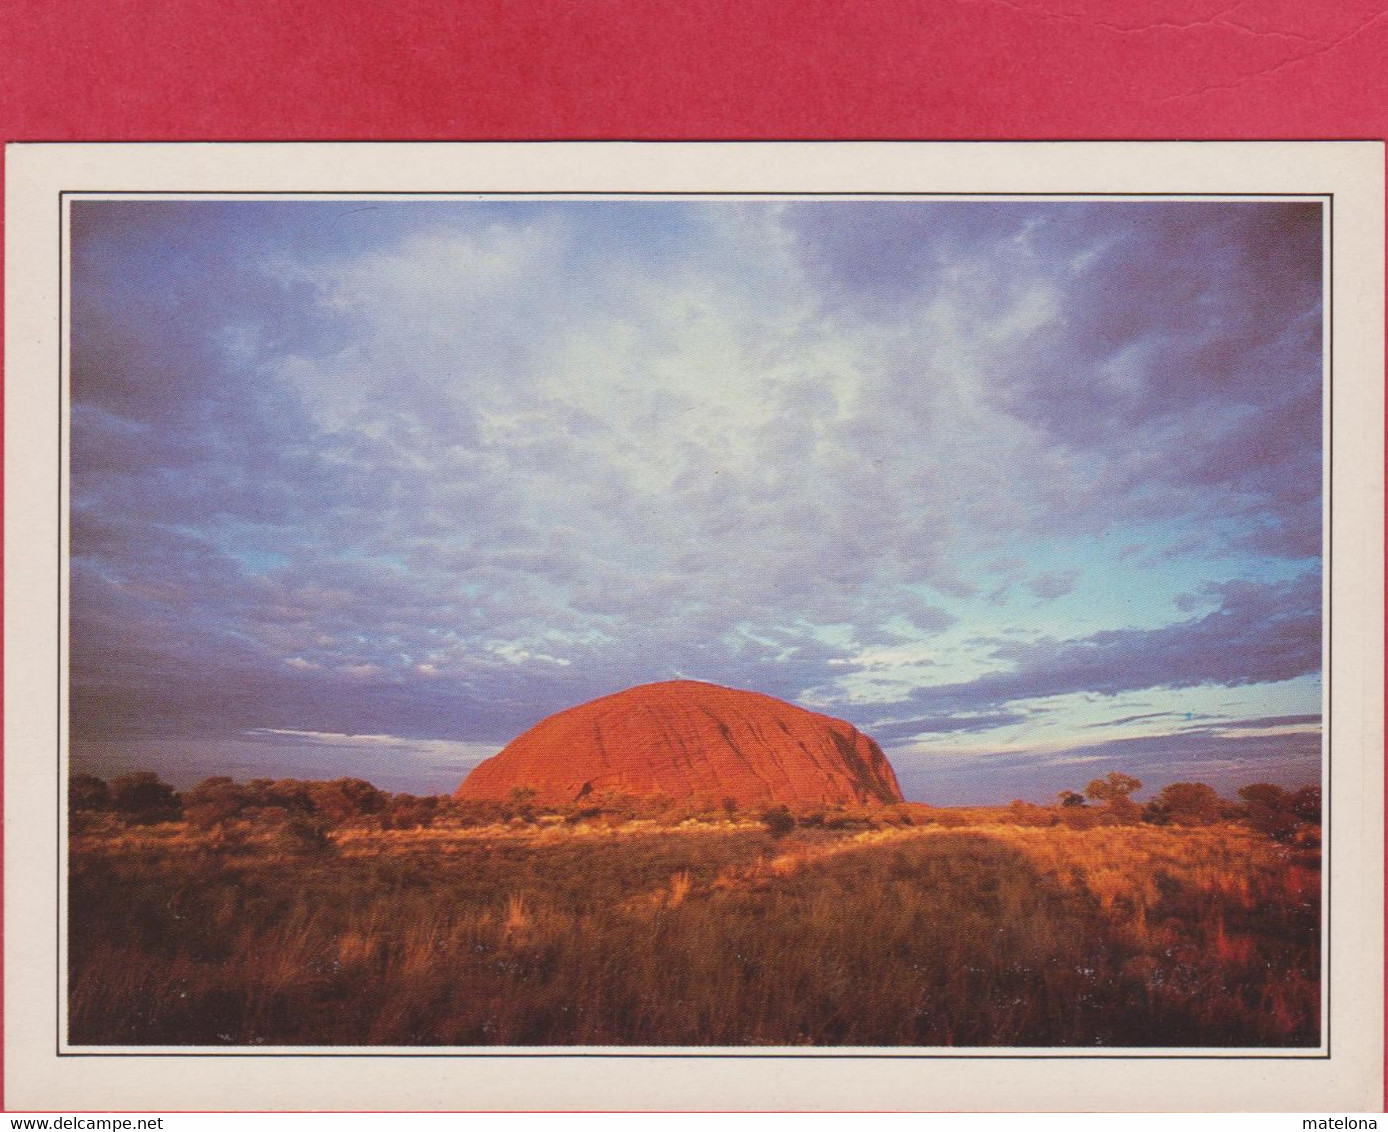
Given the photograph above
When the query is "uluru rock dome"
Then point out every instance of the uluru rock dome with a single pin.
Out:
(686, 738)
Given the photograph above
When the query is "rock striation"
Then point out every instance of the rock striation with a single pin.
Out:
(685, 738)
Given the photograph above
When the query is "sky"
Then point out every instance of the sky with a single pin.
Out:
(1028, 491)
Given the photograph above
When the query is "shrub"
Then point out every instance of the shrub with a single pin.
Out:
(406, 811)
(287, 794)
(1121, 811)
(303, 835)
(1186, 803)
(1306, 804)
(1116, 785)
(778, 821)
(1078, 817)
(477, 811)
(894, 815)
(345, 798)
(87, 792)
(618, 805)
(657, 806)
(1269, 810)
(695, 807)
(1265, 794)
(1024, 813)
(214, 802)
(1154, 813)
(144, 798)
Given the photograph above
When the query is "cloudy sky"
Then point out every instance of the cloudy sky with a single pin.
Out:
(1028, 491)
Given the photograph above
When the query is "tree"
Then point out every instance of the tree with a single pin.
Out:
(1116, 785)
(87, 792)
(1070, 798)
(1269, 810)
(1265, 794)
(407, 811)
(1189, 803)
(214, 802)
(1306, 804)
(288, 794)
(345, 798)
(1113, 792)
(144, 798)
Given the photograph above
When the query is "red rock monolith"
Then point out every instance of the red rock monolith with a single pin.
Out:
(685, 738)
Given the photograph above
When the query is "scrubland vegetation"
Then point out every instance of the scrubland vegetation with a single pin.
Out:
(293, 913)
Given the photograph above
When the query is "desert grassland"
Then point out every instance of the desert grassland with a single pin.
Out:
(971, 932)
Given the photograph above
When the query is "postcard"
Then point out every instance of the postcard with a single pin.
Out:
(625, 626)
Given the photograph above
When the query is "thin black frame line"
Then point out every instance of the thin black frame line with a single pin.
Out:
(583, 1052)
(1328, 199)
(61, 1021)
(467, 195)
(1326, 558)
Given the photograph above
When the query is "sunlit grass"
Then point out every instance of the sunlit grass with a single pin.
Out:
(972, 932)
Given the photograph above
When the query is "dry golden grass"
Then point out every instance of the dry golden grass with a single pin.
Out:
(978, 931)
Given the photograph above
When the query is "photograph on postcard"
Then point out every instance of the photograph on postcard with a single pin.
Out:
(817, 621)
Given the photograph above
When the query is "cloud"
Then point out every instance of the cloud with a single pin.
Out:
(1267, 722)
(1053, 584)
(572, 469)
(397, 765)
(1148, 717)
(1226, 762)
(435, 471)
(1260, 632)
(1168, 355)
(905, 729)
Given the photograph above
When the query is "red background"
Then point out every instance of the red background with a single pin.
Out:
(252, 69)
(151, 70)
